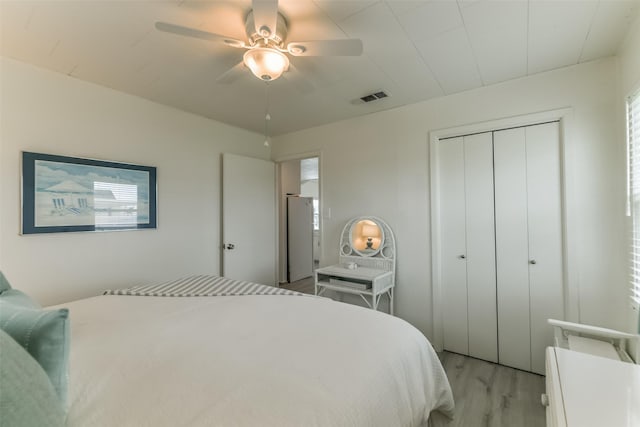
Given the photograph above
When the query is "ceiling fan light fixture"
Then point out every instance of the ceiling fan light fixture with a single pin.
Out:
(266, 63)
(265, 31)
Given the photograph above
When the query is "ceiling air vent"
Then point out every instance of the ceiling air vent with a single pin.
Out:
(374, 96)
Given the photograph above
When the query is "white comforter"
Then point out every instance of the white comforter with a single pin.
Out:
(248, 361)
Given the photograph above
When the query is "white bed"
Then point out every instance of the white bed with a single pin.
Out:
(249, 360)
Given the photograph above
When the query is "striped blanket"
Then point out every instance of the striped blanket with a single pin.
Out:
(201, 286)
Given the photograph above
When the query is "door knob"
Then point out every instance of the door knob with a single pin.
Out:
(533, 261)
(544, 399)
(462, 257)
(229, 246)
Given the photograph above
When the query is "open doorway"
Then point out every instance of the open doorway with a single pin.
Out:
(299, 218)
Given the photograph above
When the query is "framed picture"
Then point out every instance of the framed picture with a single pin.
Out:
(61, 194)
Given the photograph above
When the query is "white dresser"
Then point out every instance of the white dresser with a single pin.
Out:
(590, 391)
(367, 262)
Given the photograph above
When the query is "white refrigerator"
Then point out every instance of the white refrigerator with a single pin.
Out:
(299, 237)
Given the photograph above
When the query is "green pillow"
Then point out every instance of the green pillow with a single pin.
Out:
(18, 298)
(4, 283)
(44, 334)
(27, 398)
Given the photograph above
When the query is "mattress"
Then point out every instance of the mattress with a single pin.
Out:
(248, 360)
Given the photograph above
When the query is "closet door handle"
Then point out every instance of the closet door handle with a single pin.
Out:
(462, 257)
(533, 261)
(544, 399)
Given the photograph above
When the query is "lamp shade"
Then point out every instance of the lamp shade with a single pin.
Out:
(266, 63)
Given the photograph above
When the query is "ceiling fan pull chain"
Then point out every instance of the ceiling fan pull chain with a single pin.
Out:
(267, 116)
(267, 95)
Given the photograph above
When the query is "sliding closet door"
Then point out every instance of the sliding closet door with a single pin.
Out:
(545, 236)
(480, 255)
(512, 248)
(453, 246)
(467, 246)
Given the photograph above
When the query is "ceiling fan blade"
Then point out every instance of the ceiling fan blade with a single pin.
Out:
(294, 76)
(265, 16)
(343, 47)
(192, 32)
(232, 74)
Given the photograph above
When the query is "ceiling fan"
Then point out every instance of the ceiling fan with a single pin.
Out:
(266, 54)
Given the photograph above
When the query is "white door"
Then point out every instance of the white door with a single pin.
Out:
(545, 237)
(300, 237)
(480, 256)
(501, 261)
(248, 219)
(512, 253)
(467, 246)
(453, 246)
(528, 242)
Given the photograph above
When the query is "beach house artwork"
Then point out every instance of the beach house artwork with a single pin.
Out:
(88, 195)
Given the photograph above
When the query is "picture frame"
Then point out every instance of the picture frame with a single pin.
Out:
(66, 194)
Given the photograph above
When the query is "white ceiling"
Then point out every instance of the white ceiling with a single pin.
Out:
(414, 50)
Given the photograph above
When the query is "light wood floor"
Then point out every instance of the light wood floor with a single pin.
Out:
(490, 395)
(306, 285)
(485, 394)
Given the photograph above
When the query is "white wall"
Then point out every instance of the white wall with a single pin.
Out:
(630, 58)
(390, 178)
(46, 112)
(630, 82)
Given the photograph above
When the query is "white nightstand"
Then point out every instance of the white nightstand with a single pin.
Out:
(370, 283)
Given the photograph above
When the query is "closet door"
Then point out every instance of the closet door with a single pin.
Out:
(480, 254)
(453, 246)
(512, 248)
(467, 246)
(528, 242)
(544, 200)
